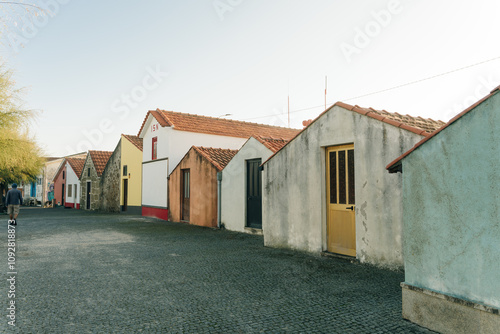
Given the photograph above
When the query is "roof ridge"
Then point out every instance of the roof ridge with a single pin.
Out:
(226, 119)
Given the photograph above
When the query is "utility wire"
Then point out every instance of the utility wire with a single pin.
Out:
(388, 89)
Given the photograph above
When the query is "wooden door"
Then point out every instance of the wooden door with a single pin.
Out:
(254, 194)
(185, 194)
(341, 225)
(89, 185)
(125, 194)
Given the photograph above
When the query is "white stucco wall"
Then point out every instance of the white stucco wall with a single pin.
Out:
(294, 187)
(234, 192)
(72, 179)
(172, 144)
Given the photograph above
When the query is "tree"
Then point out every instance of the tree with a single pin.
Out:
(20, 156)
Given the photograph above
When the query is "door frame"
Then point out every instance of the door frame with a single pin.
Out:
(326, 193)
(88, 195)
(182, 193)
(247, 196)
(125, 195)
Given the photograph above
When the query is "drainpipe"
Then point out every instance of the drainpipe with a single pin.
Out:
(219, 183)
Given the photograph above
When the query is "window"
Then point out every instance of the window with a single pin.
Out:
(75, 186)
(88, 172)
(154, 148)
(63, 175)
(125, 170)
(70, 193)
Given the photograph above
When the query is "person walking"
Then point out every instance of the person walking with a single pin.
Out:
(13, 201)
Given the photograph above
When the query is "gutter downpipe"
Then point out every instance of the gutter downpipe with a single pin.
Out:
(219, 203)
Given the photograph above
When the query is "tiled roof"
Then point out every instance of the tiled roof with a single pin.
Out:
(274, 144)
(77, 165)
(134, 140)
(217, 156)
(395, 166)
(217, 126)
(418, 125)
(100, 159)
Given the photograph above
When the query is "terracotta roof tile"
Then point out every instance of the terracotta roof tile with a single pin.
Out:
(134, 140)
(217, 126)
(217, 156)
(395, 166)
(100, 159)
(418, 125)
(77, 165)
(274, 144)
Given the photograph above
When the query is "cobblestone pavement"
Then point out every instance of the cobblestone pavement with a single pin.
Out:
(82, 272)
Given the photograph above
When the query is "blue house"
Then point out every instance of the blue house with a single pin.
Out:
(451, 221)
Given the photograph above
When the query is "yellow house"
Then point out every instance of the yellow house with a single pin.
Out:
(131, 174)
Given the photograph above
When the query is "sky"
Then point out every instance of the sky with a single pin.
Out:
(92, 69)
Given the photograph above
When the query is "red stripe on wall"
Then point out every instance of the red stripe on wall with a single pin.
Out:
(69, 205)
(155, 212)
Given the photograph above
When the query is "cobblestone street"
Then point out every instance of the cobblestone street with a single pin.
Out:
(82, 272)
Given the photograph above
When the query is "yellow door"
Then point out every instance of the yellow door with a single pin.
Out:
(341, 228)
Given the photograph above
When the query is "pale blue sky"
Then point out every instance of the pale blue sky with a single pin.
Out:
(80, 64)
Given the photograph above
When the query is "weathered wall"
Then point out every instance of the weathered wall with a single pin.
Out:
(451, 207)
(110, 182)
(294, 187)
(234, 187)
(131, 156)
(95, 188)
(203, 178)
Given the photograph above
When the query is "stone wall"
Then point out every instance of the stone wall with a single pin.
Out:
(95, 191)
(110, 183)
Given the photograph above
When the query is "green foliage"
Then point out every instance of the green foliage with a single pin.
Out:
(20, 156)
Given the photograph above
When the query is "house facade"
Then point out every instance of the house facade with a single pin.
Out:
(59, 184)
(167, 137)
(73, 171)
(194, 188)
(451, 245)
(121, 178)
(241, 195)
(90, 180)
(327, 190)
(131, 174)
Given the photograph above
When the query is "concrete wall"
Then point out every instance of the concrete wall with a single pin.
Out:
(110, 182)
(452, 211)
(294, 187)
(203, 189)
(234, 184)
(131, 157)
(95, 188)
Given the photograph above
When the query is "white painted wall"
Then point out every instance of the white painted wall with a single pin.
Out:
(72, 179)
(172, 144)
(154, 183)
(294, 187)
(234, 192)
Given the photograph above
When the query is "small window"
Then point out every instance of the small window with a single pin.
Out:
(76, 187)
(125, 170)
(88, 172)
(70, 193)
(154, 148)
(63, 175)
